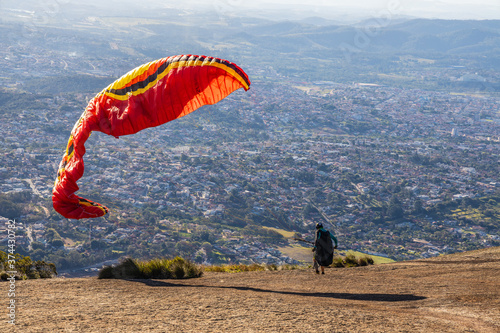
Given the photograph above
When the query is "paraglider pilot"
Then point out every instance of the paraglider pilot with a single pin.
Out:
(323, 248)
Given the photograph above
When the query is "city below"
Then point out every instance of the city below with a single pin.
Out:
(394, 170)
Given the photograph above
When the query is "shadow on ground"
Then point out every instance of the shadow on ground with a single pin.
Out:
(349, 296)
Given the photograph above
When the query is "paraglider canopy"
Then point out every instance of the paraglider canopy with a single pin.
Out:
(148, 96)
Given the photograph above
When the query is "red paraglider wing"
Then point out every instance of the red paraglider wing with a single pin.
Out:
(147, 96)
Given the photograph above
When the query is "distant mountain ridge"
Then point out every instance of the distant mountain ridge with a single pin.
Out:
(413, 36)
(391, 46)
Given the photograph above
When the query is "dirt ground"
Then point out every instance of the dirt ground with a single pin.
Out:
(456, 293)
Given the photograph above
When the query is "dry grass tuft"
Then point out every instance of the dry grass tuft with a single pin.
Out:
(177, 268)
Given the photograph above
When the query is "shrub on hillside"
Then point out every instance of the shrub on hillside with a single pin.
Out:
(25, 268)
(350, 260)
(365, 261)
(337, 262)
(177, 268)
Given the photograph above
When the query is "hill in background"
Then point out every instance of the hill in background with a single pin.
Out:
(453, 293)
(307, 49)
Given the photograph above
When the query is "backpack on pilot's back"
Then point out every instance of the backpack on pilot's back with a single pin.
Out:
(324, 251)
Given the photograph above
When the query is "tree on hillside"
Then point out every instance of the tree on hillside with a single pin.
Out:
(395, 209)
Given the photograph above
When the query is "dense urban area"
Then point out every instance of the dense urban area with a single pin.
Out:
(393, 170)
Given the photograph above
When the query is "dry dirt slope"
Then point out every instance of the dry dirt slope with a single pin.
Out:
(456, 293)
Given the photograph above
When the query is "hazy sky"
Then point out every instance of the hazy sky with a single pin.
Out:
(448, 9)
(290, 9)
